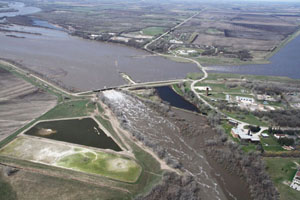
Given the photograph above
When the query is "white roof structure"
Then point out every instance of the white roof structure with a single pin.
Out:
(244, 136)
(296, 181)
(203, 88)
(264, 135)
(255, 138)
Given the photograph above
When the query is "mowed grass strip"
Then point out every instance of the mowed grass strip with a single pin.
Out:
(109, 165)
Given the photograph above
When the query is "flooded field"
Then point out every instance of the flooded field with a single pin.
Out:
(17, 8)
(84, 132)
(284, 63)
(82, 64)
(167, 94)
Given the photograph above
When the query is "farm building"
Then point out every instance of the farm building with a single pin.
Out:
(243, 135)
(244, 99)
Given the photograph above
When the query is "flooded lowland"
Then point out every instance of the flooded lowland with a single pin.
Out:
(80, 64)
(78, 131)
(85, 65)
(16, 8)
(286, 62)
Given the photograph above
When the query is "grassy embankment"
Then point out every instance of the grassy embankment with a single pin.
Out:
(282, 171)
(108, 165)
(283, 43)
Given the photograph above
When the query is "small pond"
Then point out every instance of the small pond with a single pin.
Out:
(167, 94)
(78, 131)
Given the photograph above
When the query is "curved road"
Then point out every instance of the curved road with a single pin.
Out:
(199, 96)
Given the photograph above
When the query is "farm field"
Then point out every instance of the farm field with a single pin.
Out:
(20, 102)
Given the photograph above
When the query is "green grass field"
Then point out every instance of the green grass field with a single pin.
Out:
(152, 31)
(270, 144)
(109, 165)
(78, 108)
(248, 118)
(282, 171)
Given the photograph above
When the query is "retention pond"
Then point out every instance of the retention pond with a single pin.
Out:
(167, 94)
(78, 131)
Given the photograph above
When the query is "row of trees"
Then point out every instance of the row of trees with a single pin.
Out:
(250, 167)
(175, 187)
(283, 118)
(280, 131)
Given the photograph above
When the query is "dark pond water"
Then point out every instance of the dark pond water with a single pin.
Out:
(286, 62)
(167, 94)
(84, 132)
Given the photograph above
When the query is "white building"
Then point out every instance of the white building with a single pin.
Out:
(176, 42)
(203, 88)
(296, 181)
(243, 135)
(247, 100)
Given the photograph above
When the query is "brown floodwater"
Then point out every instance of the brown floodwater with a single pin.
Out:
(85, 64)
(232, 185)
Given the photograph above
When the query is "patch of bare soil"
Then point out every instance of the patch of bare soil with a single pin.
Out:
(20, 102)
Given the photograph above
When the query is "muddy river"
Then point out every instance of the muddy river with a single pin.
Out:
(84, 132)
(84, 64)
(78, 63)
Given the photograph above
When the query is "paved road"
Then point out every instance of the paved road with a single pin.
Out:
(166, 33)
